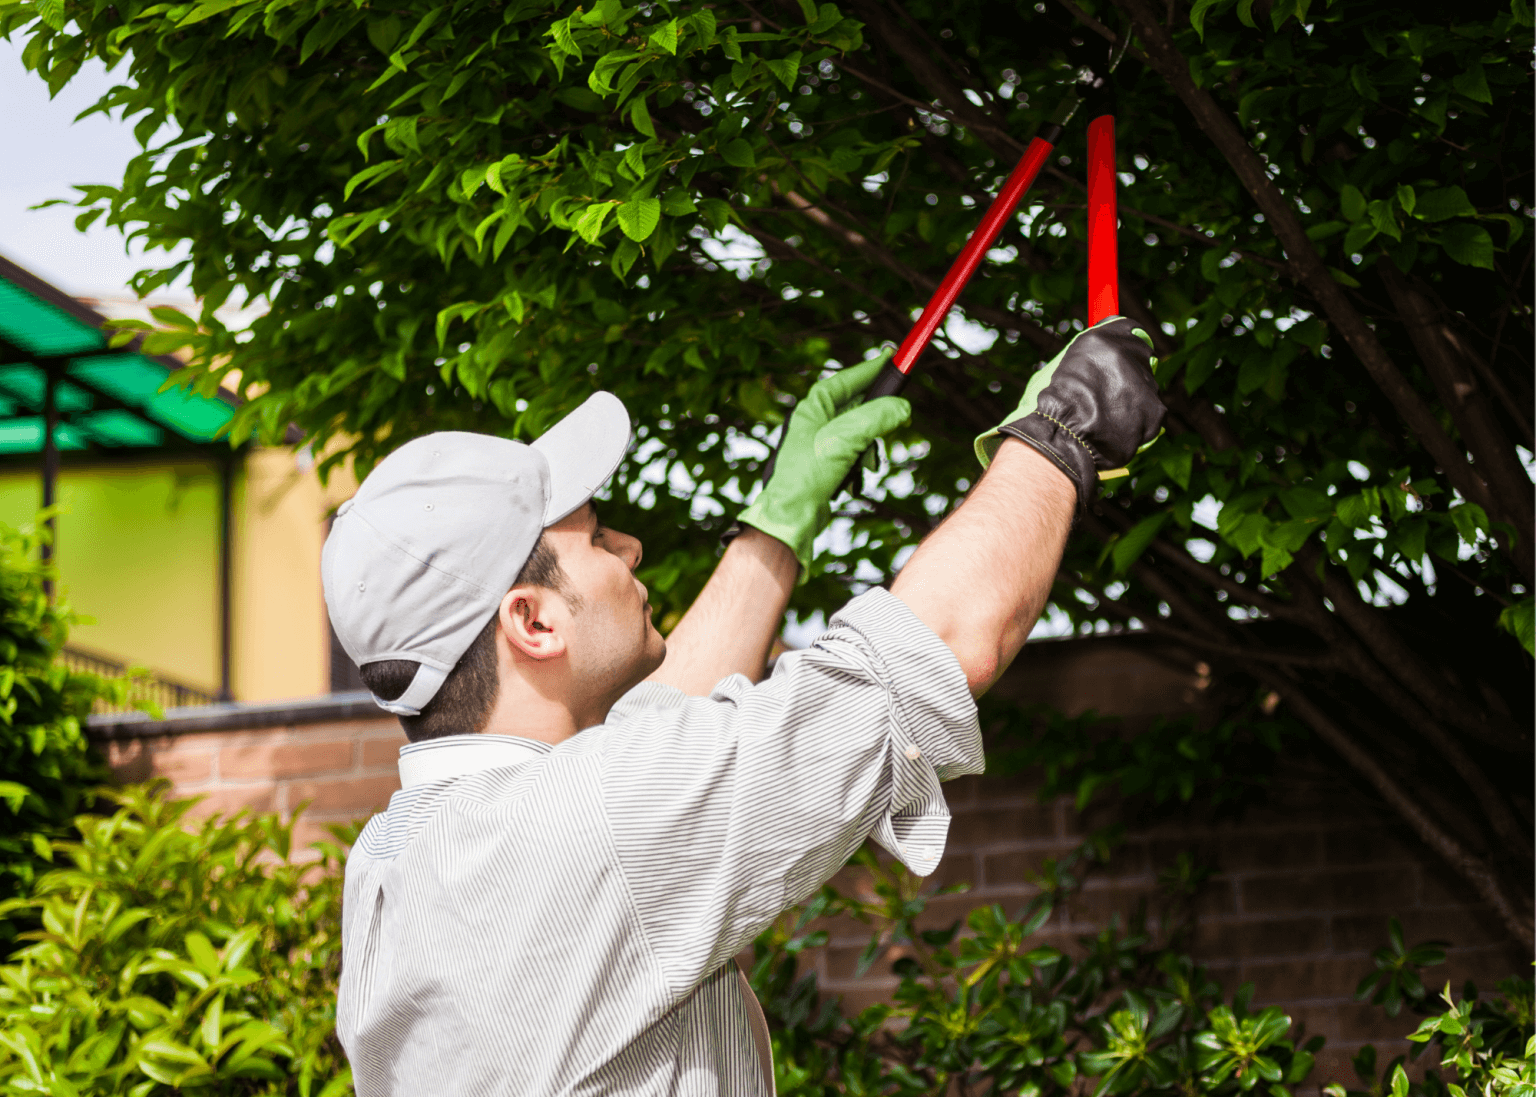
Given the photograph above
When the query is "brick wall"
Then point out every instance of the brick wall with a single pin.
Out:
(1307, 878)
(344, 768)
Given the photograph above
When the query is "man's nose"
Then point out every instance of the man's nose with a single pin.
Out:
(629, 550)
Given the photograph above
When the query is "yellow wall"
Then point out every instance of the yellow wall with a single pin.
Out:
(281, 644)
(138, 551)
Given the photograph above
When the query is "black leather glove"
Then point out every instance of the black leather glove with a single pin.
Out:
(1089, 409)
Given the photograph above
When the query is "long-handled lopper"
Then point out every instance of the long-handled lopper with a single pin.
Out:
(1103, 252)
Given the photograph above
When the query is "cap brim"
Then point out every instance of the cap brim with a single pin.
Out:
(583, 450)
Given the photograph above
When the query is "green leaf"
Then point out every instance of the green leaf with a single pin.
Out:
(1351, 202)
(211, 8)
(787, 69)
(677, 202)
(1473, 83)
(1360, 234)
(639, 217)
(371, 175)
(1469, 245)
(1198, 13)
(1519, 620)
(716, 211)
(581, 98)
(664, 37)
(640, 117)
(1134, 542)
(1442, 204)
(738, 154)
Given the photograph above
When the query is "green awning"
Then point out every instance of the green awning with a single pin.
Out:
(107, 400)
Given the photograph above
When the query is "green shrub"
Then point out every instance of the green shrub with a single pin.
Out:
(991, 1012)
(49, 768)
(204, 960)
(175, 958)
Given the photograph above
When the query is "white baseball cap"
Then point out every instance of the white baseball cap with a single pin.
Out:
(419, 559)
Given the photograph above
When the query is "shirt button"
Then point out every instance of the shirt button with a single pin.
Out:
(913, 753)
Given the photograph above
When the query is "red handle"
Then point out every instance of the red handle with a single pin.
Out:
(1103, 254)
(970, 257)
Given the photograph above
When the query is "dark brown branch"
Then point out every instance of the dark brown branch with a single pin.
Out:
(1472, 868)
(1363, 665)
(1369, 624)
(1470, 409)
(933, 77)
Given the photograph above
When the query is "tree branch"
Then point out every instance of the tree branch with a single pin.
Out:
(1470, 410)
(1472, 868)
(1307, 265)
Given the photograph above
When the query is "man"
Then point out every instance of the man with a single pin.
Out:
(593, 822)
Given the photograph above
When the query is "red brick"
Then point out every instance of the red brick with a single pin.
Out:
(1267, 937)
(1014, 788)
(1218, 895)
(1130, 860)
(1387, 890)
(954, 870)
(1311, 1019)
(285, 759)
(1370, 846)
(382, 752)
(856, 998)
(1461, 927)
(1269, 850)
(1096, 906)
(1294, 980)
(842, 964)
(961, 791)
(230, 799)
(1333, 1066)
(986, 826)
(1003, 869)
(307, 831)
(356, 795)
(183, 767)
(1363, 1021)
(942, 912)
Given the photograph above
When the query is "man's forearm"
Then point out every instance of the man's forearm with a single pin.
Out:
(981, 579)
(732, 624)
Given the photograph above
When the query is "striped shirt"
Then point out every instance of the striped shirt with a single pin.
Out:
(528, 919)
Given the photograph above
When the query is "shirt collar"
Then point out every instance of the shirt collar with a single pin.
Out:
(458, 755)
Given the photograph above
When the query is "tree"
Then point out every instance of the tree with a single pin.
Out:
(471, 214)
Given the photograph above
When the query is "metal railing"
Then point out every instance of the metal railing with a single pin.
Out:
(143, 685)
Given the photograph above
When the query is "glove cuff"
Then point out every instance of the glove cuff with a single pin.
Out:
(1061, 445)
(799, 537)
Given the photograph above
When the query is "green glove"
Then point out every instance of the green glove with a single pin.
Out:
(821, 443)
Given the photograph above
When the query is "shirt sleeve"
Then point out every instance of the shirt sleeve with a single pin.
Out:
(726, 810)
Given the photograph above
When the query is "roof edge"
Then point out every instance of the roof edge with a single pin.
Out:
(56, 297)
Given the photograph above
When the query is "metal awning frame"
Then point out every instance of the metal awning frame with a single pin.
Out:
(55, 368)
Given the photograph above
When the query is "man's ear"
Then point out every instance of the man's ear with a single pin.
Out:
(529, 625)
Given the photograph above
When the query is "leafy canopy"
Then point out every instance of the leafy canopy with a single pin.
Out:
(469, 214)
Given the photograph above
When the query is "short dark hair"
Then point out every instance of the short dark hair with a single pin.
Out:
(463, 703)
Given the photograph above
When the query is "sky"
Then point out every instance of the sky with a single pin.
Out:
(47, 154)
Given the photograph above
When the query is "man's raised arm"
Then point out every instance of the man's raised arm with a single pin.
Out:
(980, 580)
(732, 624)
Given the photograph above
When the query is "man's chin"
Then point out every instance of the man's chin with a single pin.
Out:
(658, 656)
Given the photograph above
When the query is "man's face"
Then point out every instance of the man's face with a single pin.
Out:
(611, 642)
